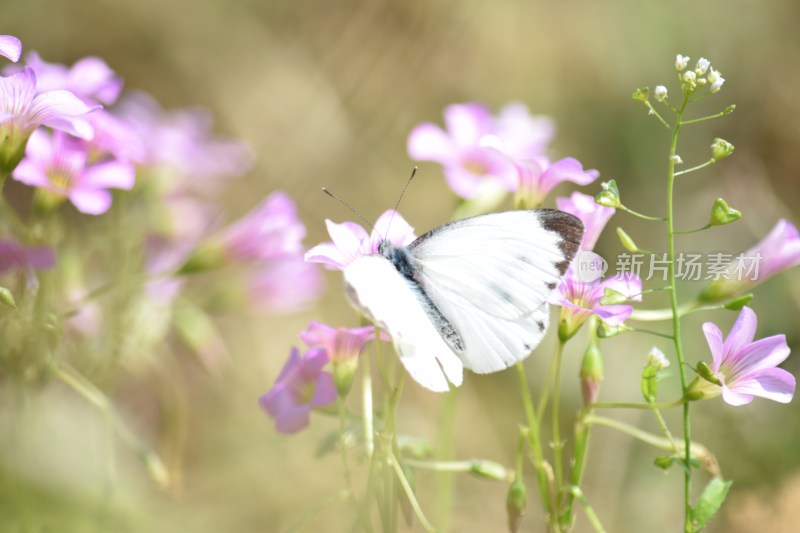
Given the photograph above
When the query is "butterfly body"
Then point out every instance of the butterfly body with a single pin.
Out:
(471, 293)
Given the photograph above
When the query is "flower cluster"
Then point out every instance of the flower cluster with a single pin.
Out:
(701, 76)
(482, 154)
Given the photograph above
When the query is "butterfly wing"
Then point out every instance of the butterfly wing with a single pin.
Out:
(491, 276)
(396, 304)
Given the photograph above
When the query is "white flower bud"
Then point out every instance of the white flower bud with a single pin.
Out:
(681, 62)
(717, 85)
(713, 75)
(690, 77)
(657, 359)
(661, 93)
(677, 159)
(702, 66)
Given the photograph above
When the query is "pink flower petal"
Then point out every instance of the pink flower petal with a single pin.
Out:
(629, 285)
(111, 174)
(762, 354)
(10, 47)
(732, 397)
(427, 142)
(17, 92)
(30, 173)
(325, 393)
(59, 110)
(92, 77)
(90, 201)
(393, 227)
(613, 315)
(467, 123)
(742, 332)
(771, 383)
(328, 255)
(715, 343)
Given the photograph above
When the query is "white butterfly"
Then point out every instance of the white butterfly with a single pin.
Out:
(472, 293)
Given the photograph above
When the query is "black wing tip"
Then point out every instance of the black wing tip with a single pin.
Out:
(569, 228)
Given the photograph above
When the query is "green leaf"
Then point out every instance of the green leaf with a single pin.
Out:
(710, 501)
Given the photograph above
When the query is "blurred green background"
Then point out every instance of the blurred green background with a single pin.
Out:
(326, 93)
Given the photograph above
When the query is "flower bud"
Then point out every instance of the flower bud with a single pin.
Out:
(720, 149)
(627, 241)
(702, 66)
(737, 303)
(722, 213)
(591, 373)
(681, 62)
(657, 359)
(516, 504)
(606, 331)
(705, 372)
(609, 196)
(661, 93)
(343, 372)
(489, 470)
(642, 94)
(204, 258)
(7, 297)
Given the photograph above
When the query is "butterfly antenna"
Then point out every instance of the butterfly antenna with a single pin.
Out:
(402, 193)
(348, 206)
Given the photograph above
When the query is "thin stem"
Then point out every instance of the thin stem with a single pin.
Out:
(558, 445)
(655, 315)
(698, 167)
(635, 405)
(640, 215)
(690, 231)
(657, 115)
(77, 382)
(701, 119)
(444, 480)
(544, 394)
(348, 478)
(534, 438)
(590, 514)
(676, 317)
(663, 424)
(410, 493)
(651, 332)
(366, 396)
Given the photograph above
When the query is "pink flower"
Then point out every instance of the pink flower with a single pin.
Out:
(300, 386)
(351, 240)
(538, 177)
(594, 216)
(181, 143)
(580, 299)
(522, 135)
(776, 252)
(10, 47)
(90, 79)
(744, 368)
(468, 163)
(59, 165)
(341, 344)
(14, 256)
(284, 285)
(23, 109)
(271, 231)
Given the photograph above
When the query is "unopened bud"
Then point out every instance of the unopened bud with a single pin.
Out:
(516, 504)
(737, 303)
(7, 297)
(681, 62)
(627, 241)
(591, 373)
(661, 93)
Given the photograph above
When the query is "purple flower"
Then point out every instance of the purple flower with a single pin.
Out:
(351, 240)
(300, 386)
(593, 216)
(271, 231)
(580, 298)
(59, 164)
(744, 368)
(14, 256)
(538, 177)
(341, 344)
(469, 163)
(90, 79)
(285, 285)
(181, 143)
(10, 47)
(778, 251)
(23, 109)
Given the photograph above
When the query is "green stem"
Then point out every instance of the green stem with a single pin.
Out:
(534, 438)
(655, 315)
(77, 382)
(635, 405)
(410, 493)
(690, 231)
(651, 332)
(366, 396)
(657, 115)
(558, 445)
(348, 478)
(676, 317)
(640, 215)
(445, 452)
(576, 492)
(663, 424)
(698, 167)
